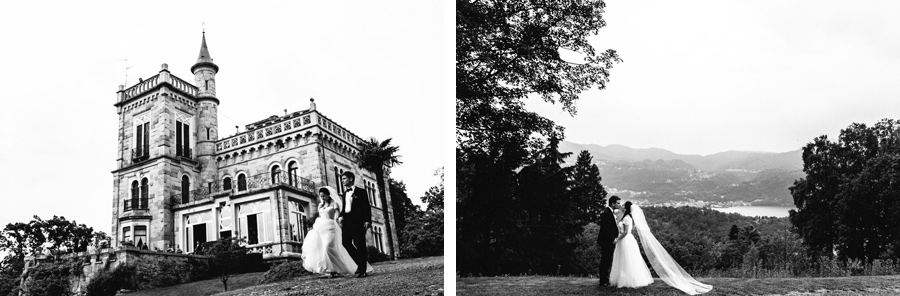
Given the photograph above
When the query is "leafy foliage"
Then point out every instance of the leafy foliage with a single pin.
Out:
(55, 236)
(421, 233)
(507, 50)
(848, 200)
(226, 256)
(375, 255)
(589, 194)
(516, 213)
(108, 283)
(51, 279)
(284, 271)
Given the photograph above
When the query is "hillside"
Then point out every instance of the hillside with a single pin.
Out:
(728, 178)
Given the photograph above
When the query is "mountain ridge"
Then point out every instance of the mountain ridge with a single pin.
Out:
(720, 161)
(728, 178)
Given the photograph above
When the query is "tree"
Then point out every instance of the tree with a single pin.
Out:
(590, 196)
(226, 255)
(434, 197)
(507, 50)
(375, 156)
(847, 202)
(20, 239)
(404, 209)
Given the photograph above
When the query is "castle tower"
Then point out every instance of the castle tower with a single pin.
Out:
(207, 120)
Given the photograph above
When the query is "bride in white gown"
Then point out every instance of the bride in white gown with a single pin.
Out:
(323, 252)
(629, 269)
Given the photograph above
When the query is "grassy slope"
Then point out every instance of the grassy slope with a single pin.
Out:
(207, 287)
(419, 276)
(545, 285)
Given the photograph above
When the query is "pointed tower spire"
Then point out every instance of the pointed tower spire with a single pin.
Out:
(204, 59)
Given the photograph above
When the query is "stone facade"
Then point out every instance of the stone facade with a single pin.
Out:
(177, 184)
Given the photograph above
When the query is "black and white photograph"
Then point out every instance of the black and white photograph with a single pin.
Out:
(677, 147)
(223, 148)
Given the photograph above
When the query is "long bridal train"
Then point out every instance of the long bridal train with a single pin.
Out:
(668, 270)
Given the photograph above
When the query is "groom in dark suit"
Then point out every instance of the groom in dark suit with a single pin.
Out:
(356, 219)
(609, 230)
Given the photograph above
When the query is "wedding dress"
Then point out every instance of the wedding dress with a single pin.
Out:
(668, 270)
(322, 249)
(628, 267)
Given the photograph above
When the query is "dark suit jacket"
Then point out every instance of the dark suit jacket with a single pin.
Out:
(360, 212)
(608, 228)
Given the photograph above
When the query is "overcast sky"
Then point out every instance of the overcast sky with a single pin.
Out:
(701, 77)
(374, 68)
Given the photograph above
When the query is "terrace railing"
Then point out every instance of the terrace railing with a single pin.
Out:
(254, 183)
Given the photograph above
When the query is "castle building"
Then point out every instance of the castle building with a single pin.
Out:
(177, 184)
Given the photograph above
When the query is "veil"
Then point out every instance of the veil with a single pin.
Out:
(666, 267)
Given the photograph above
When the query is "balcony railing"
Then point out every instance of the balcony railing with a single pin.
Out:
(257, 182)
(184, 152)
(140, 153)
(136, 204)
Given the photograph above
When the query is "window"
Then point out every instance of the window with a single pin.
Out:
(182, 139)
(255, 222)
(370, 190)
(185, 188)
(226, 184)
(207, 133)
(195, 229)
(297, 221)
(292, 173)
(337, 179)
(337, 176)
(377, 236)
(140, 236)
(142, 141)
(135, 195)
(126, 233)
(242, 182)
(276, 172)
(145, 194)
(226, 221)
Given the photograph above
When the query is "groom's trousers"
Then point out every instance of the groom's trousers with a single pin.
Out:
(606, 257)
(354, 240)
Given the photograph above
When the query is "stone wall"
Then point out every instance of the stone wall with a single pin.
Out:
(93, 263)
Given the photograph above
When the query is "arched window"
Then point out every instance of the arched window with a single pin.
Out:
(292, 173)
(226, 184)
(185, 189)
(242, 182)
(276, 172)
(135, 195)
(145, 193)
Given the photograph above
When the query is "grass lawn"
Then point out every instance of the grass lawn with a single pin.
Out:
(548, 285)
(207, 287)
(417, 276)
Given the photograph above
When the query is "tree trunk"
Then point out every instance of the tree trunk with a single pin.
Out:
(384, 211)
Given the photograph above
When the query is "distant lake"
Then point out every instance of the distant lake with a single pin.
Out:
(753, 211)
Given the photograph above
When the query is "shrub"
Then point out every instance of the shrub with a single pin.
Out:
(51, 279)
(377, 256)
(284, 271)
(107, 283)
(151, 273)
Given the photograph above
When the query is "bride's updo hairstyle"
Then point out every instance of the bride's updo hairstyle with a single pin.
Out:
(627, 209)
(326, 191)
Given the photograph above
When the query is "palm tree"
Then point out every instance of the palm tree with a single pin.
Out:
(375, 156)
